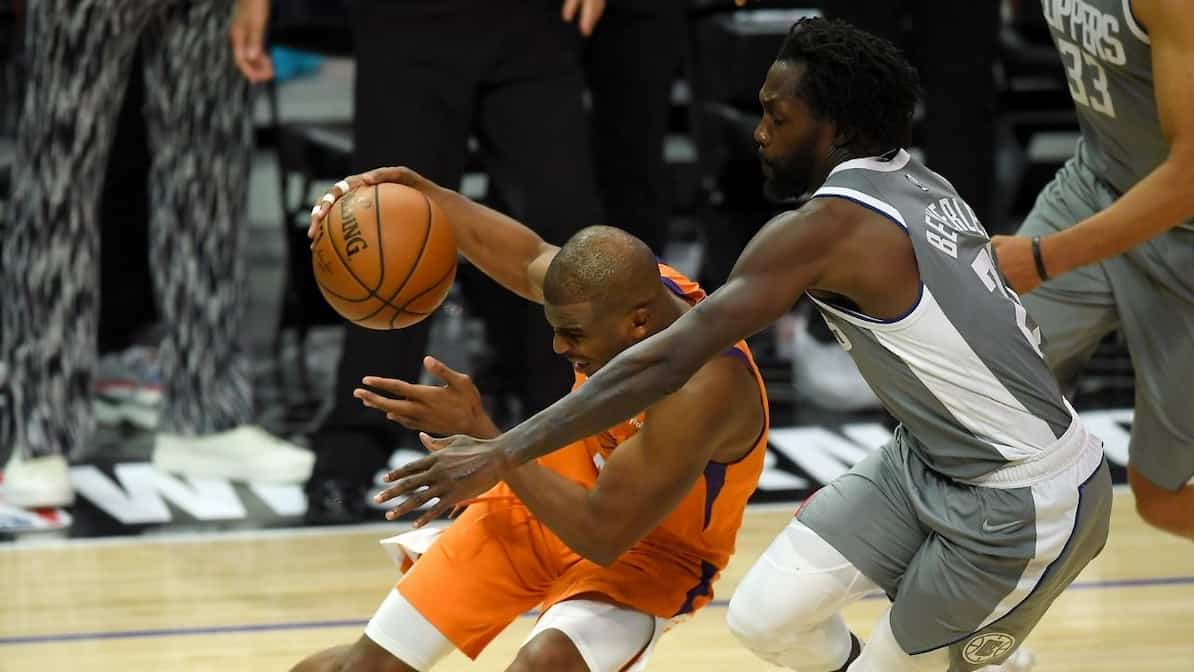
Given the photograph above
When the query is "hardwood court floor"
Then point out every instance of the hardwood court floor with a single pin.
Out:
(263, 601)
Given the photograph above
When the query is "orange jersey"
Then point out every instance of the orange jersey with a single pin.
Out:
(701, 531)
(497, 560)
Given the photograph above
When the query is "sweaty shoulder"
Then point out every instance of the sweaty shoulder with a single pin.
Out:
(848, 214)
(871, 259)
(832, 215)
(843, 228)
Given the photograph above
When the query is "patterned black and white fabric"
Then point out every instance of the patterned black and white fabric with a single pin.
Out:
(78, 54)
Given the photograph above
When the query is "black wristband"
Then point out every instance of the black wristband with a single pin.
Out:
(1036, 256)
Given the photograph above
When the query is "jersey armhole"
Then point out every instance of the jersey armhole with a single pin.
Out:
(1134, 25)
(753, 369)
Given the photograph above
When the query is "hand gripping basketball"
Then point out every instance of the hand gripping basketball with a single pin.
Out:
(383, 253)
(394, 175)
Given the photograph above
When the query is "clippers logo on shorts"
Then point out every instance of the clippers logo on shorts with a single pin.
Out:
(988, 647)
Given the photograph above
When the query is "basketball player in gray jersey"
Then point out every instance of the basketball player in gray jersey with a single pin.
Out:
(991, 497)
(1112, 236)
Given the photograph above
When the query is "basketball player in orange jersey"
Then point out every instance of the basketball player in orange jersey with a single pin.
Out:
(614, 536)
(990, 497)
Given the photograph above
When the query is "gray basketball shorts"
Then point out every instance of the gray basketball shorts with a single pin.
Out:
(971, 568)
(1147, 293)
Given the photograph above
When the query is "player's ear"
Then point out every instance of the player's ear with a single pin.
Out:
(638, 321)
(842, 137)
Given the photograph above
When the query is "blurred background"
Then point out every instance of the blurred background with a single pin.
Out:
(643, 124)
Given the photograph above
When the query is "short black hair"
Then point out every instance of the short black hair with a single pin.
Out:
(603, 265)
(860, 81)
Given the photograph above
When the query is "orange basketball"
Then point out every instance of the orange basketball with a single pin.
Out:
(385, 256)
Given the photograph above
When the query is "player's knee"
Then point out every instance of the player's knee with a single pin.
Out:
(550, 650)
(1166, 512)
(762, 617)
(746, 621)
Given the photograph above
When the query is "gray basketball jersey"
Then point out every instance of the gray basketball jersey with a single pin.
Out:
(962, 371)
(1108, 62)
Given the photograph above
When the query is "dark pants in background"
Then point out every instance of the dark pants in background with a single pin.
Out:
(954, 47)
(630, 63)
(430, 73)
(127, 305)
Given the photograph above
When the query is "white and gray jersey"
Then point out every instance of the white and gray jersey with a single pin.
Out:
(1108, 61)
(962, 370)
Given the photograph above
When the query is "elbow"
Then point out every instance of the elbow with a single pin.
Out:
(604, 544)
(601, 558)
(1181, 162)
(671, 370)
(604, 553)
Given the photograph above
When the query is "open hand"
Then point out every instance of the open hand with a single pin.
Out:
(396, 175)
(452, 408)
(458, 468)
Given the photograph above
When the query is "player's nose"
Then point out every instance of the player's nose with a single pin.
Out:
(560, 345)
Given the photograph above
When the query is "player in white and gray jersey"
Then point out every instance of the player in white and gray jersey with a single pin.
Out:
(1114, 231)
(991, 497)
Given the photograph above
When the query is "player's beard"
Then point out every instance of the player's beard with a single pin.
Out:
(789, 177)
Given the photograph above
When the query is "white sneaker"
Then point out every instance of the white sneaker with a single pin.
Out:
(1021, 660)
(38, 482)
(246, 453)
(826, 376)
(15, 520)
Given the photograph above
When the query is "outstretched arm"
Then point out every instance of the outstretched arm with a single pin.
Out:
(786, 257)
(646, 477)
(1157, 203)
(505, 250)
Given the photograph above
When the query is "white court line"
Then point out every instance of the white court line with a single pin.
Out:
(32, 542)
(40, 541)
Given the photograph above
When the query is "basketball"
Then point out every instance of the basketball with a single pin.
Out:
(385, 256)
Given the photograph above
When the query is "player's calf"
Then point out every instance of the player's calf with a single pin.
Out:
(364, 656)
(549, 650)
(327, 660)
(1164, 509)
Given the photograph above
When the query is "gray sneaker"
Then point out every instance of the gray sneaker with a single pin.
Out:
(128, 388)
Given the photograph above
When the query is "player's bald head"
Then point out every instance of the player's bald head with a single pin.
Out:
(605, 266)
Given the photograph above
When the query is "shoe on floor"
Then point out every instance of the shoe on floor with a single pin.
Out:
(128, 388)
(246, 453)
(826, 376)
(1021, 660)
(37, 482)
(333, 501)
(15, 520)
